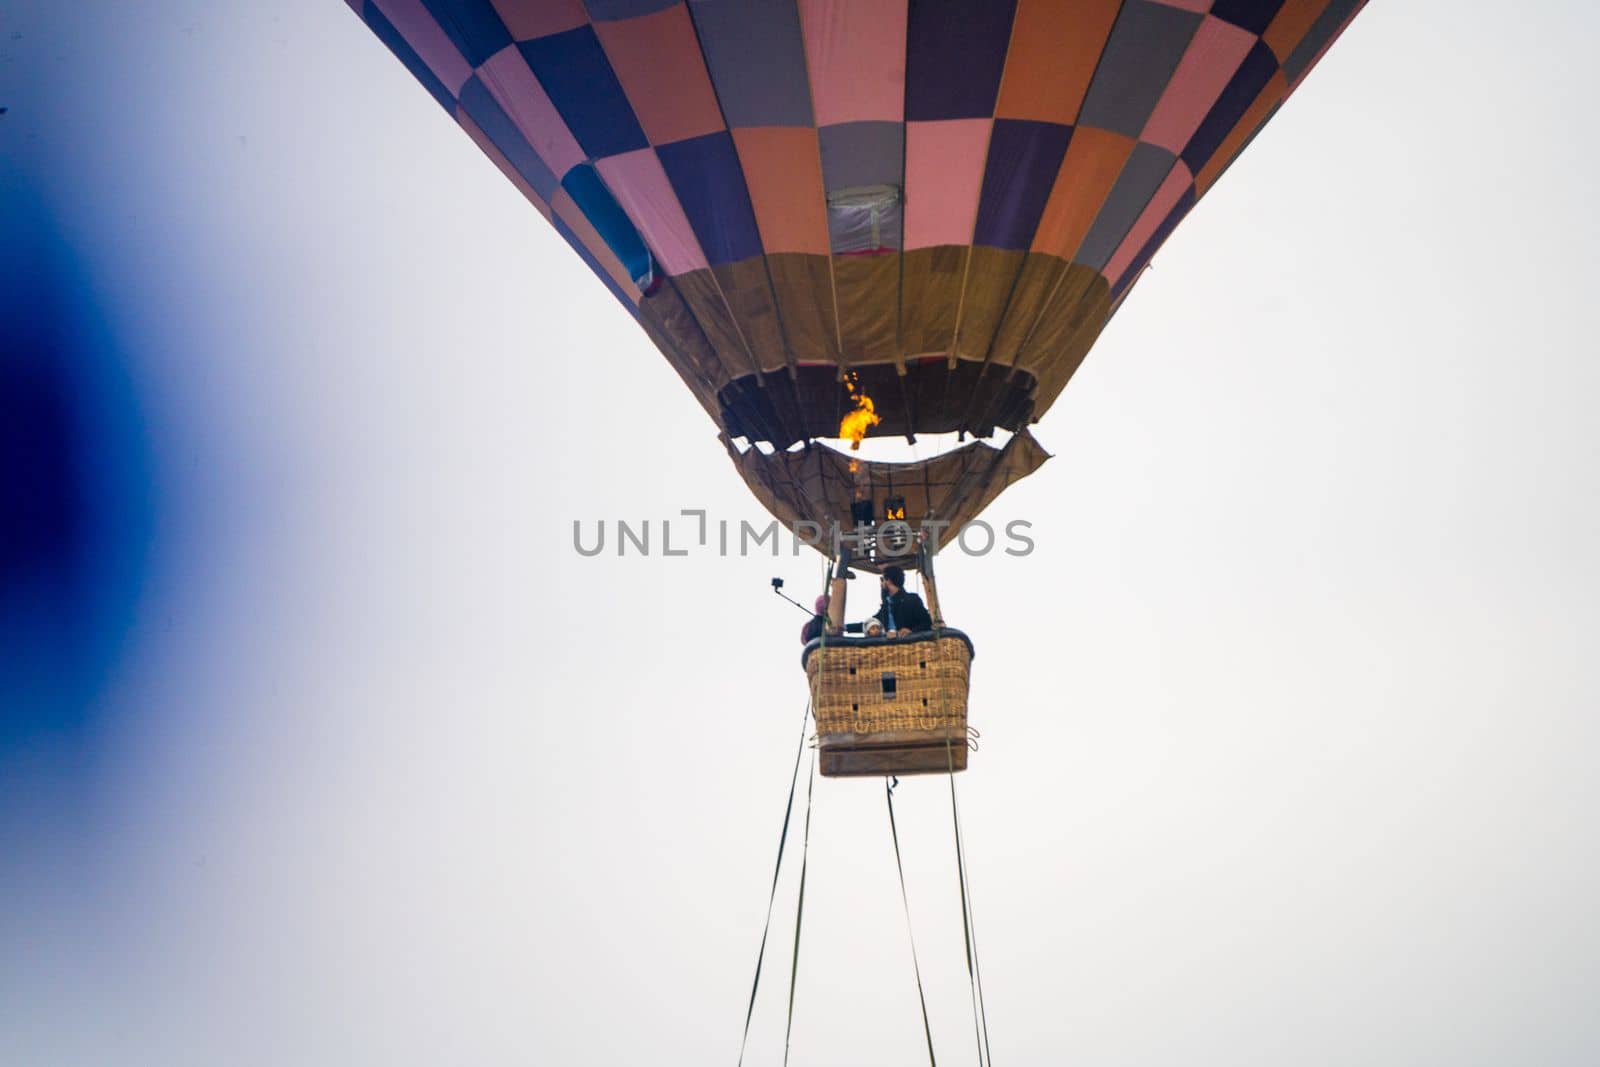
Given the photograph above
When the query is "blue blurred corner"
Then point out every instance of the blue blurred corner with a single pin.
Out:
(76, 485)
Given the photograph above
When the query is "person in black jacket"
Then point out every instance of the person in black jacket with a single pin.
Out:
(902, 613)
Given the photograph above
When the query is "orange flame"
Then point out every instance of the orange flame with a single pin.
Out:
(863, 417)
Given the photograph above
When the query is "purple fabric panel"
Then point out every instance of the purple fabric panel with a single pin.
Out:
(955, 54)
(386, 32)
(1246, 84)
(473, 26)
(706, 176)
(1024, 157)
(432, 45)
(1252, 15)
(575, 73)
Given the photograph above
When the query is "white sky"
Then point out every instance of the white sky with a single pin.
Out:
(1289, 721)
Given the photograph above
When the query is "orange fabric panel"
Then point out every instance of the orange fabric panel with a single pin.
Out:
(1089, 170)
(657, 58)
(1234, 143)
(783, 171)
(1290, 25)
(1055, 46)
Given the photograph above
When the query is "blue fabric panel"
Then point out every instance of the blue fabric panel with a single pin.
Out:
(1321, 32)
(583, 184)
(574, 71)
(1252, 15)
(385, 31)
(1241, 91)
(611, 10)
(473, 27)
(757, 59)
(594, 265)
(481, 107)
(1024, 157)
(1168, 224)
(955, 54)
(705, 173)
(1145, 46)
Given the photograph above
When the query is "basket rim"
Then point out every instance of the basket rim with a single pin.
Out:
(877, 642)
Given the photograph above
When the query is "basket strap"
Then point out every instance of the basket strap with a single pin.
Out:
(894, 834)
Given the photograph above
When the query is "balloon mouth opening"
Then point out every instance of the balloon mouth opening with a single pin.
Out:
(880, 450)
(964, 398)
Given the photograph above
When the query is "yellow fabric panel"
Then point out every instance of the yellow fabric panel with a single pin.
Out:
(931, 288)
(1072, 320)
(983, 304)
(749, 296)
(703, 298)
(869, 306)
(804, 292)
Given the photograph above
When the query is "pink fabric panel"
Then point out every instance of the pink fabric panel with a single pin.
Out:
(1155, 213)
(518, 92)
(856, 55)
(1214, 54)
(641, 187)
(944, 177)
(431, 45)
(1187, 5)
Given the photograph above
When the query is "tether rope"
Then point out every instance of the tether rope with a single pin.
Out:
(974, 972)
(894, 833)
(783, 837)
(800, 905)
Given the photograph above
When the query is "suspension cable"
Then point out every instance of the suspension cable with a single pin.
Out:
(783, 837)
(894, 833)
(800, 905)
(974, 972)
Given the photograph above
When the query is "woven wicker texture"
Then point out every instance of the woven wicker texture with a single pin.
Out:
(869, 688)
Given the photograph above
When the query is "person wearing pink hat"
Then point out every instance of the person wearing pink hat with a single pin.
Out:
(813, 629)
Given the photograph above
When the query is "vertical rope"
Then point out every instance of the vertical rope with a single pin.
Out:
(783, 836)
(800, 907)
(894, 834)
(974, 972)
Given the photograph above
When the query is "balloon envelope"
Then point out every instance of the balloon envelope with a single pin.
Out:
(947, 198)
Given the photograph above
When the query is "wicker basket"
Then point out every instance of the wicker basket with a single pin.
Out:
(890, 705)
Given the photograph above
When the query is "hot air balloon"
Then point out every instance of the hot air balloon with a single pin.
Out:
(914, 214)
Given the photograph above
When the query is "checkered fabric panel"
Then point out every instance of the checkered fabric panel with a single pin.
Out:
(863, 181)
